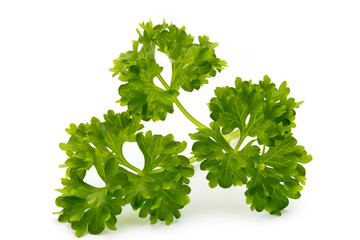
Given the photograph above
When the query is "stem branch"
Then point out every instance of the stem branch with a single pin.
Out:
(180, 106)
(121, 159)
(232, 136)
(193, 159)
(241, 139)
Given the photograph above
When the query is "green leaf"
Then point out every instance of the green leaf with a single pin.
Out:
(226, 165)
(87, 207)
(266, 115)
(97, 144)
(192, 65)
(107, 137)
(256, 110)
(278, 176)
(159, 190)
(159, 150)
(162, 187)
(140, 93)
(78, 150)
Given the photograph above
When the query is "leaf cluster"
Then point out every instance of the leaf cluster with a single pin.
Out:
(249, 141)
(192, 64)
(270, 164)
(159, 190)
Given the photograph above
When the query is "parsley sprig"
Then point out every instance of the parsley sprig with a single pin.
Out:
(159, 190)
(249, 142)
(270, 164)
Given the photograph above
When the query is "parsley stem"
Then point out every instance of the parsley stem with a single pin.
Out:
(232, 136)
(180, 106)
(193, 159)
(188, 115)
(135, 169)
(263, 150)
(163, 82)
(241, 139)
(121, 159)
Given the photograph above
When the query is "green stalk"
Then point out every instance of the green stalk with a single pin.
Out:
(121, 159)
(135, 169)
(180, 106)
(232, 136)
(241, 139)
(193, 159)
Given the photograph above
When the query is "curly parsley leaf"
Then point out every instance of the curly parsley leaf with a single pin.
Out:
(108, 137)
(159, 190)
(265, 114)
(226, 165)
(142, 96)
(256, 110)
(192, 65)
(88, 207)
(278, 176)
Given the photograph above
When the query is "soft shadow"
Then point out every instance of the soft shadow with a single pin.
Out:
(130, 218)
(231, 201)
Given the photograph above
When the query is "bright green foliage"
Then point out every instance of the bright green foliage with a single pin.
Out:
(226, 165)
(278, 176)
(249, 142)
(257, 110)
(142, 96)
(266, 114)
(107, 137)
(192, 64)
(159, 190)
(85, 206)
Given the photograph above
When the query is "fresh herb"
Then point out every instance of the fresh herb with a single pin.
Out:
(159, 190)
(249, 142)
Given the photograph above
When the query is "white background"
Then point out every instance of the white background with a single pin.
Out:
(54, 61)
